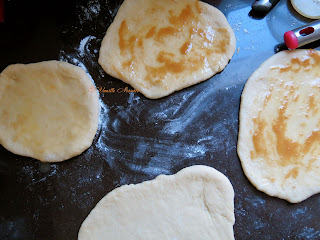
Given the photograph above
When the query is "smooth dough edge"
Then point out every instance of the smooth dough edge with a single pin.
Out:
(92, 100)
(197, 171)
(112, 29)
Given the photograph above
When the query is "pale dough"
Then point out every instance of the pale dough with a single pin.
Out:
(279, 137)
(47, 110)
(195, 203)
(159, 47)
(307, 8)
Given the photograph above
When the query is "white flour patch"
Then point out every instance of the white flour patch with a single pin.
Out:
(83, 46)
(257, 202)
(205, 139)
(149, 170)
(102, 128)
(195, 151)
(112, 11)
(300, 212)
(240, 211)
(258, 224)
(28, 171)
(29, 174)
(187, 116)
(87, 13)
(85, 55)
(133, 99)
(76, 60)
(309, 233)
(176, 130)
(140, 150)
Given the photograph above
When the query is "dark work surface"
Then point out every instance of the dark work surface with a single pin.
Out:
(139, 138)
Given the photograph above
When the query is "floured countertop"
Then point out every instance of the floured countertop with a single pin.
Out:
(139, 138)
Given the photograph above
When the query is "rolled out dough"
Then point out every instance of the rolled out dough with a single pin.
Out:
(47, 111)
(279, 137)
(307, 8)
(195, 203)
(159, 47)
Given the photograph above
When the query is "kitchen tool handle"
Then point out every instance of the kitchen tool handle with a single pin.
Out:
(263, 6)
(304, 35)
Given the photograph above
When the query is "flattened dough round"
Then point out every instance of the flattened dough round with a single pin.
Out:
(47, 111)
(307, 8)
(159, 47)
(279, 137)
(197, 201)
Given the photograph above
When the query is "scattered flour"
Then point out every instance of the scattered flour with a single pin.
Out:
(87, 13)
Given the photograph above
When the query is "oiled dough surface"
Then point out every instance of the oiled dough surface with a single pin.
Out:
(279, 137)
(159, 47)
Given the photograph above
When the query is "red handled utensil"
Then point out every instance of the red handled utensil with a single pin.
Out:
(303, 35)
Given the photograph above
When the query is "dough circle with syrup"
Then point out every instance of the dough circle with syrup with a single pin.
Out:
(279, 135)
(159, 47)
